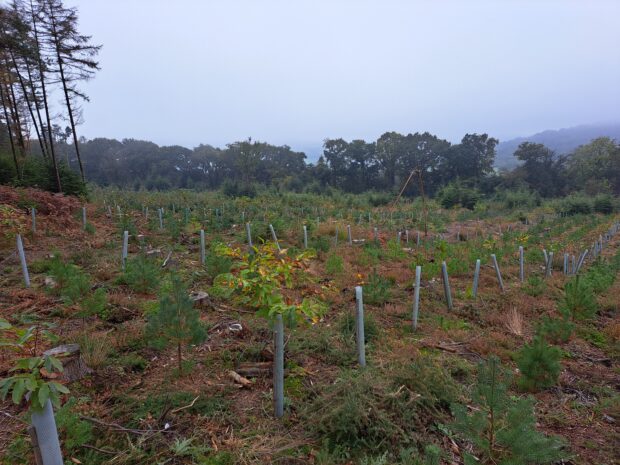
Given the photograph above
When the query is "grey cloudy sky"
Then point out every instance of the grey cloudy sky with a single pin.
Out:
(296, 72)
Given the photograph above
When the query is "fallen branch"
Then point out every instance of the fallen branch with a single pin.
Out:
(11, 255)
(190, 405)
(163, 265)
(117, 427)
(103, 451)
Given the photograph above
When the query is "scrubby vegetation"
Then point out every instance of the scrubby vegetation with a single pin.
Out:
(159, 357)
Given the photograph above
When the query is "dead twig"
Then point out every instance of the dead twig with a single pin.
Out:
(190, 405)
(13, 417)
(8, 257)
(117, 427)
(163, 265)
(103, 451)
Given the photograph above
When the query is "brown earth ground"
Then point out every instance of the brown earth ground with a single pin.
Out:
(583, 407)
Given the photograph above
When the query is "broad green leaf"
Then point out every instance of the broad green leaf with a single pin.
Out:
(18, 390)
(43, 394)
(57, 364)
(59, 387)
(5, 386)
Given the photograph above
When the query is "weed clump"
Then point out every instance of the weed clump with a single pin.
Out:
(381, 410)
(334, 265)
(141, 274)
(347, 328)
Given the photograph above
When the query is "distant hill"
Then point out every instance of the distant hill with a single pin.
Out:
(561, 140)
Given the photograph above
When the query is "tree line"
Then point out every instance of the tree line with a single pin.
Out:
(42, 53)
(423, 161)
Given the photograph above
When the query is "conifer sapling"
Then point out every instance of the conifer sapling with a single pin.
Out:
(176, 321)
(501, 428)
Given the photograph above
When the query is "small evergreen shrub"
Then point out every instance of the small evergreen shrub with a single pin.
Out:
(603, 204)
(125, 223)
(539, 364)
(216, 263)
(575, 204)
(176, 322)
(72, 284)
(579, 300)
(7, 170)
(37, 172)
(535, 286)
(601, 275)
(377, 289)
(320, 244)
(94, 304)
(334, 265)
(556, 330)
(456, 194)
(141, 274)
(133, 362)
(502, 428)
(74, 432)
(380, 411)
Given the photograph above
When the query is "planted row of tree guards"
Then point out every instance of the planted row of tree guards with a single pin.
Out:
(572, 265)
(401, 213)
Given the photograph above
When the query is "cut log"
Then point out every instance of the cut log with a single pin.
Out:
(255, 370)
(237, 378)
(74, 367)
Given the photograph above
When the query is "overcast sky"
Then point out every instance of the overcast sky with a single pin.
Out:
(298, 71)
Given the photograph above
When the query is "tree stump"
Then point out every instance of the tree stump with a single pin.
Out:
(200, 299)
(74, 367)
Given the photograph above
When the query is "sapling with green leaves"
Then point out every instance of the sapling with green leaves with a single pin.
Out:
(32, 376)
(258, 279)
(176, 321)
(502, 428)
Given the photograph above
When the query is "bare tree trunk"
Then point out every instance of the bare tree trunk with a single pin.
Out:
(15, 114)
(25, 92)
(44, 94)
(37, 107)
(8, 128)
(66, 91)
(180, 359)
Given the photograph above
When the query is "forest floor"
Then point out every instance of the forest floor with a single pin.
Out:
(141, 410)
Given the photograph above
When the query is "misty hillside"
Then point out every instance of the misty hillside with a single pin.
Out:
(561, 140)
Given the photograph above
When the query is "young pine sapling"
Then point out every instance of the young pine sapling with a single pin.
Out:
(176, 321)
